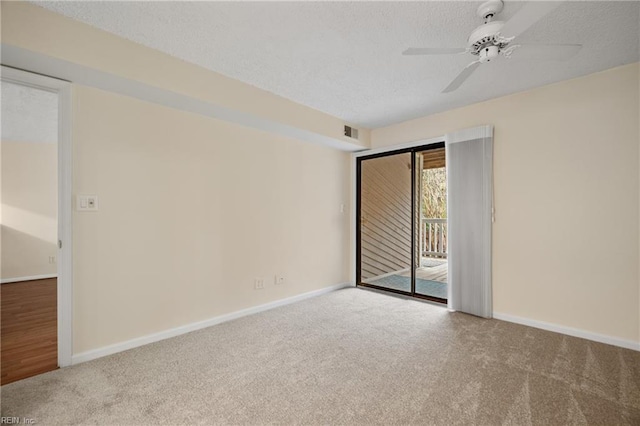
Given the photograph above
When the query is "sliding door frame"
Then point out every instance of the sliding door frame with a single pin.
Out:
(359, 157)
(65, 243)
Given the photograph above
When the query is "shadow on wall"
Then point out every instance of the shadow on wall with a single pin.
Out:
(29, 209)
(24, 255)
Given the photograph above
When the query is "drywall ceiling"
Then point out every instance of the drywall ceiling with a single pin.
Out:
(344, 58)
(28, 114)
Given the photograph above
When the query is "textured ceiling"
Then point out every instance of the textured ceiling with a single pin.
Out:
(28, 114)
(344, 58)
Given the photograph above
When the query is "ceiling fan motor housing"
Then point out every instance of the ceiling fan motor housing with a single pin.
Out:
(487, 35)
(490, 9)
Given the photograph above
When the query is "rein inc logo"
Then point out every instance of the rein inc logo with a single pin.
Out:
(17, 421)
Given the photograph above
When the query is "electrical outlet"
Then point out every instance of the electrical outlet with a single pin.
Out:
(87, 203)
(279, 280)
(52, 259)
(259, 283)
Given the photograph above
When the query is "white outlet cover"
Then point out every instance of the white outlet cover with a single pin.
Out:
(87, 203)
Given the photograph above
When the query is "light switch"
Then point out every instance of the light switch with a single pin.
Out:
(87, 203)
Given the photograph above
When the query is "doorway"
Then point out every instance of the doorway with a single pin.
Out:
(35, 225)
(402, 230)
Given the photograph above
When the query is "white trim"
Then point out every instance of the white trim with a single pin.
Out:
(33, 80)
(25, 59)
(177, 331)
(65, 265)
(65, 224)
(569, 331)
(29, 278)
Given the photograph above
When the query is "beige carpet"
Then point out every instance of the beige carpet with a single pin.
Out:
(349, 357)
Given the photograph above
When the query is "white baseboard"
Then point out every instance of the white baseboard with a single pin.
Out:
(172, 332)
(615, 341)
(31, 278)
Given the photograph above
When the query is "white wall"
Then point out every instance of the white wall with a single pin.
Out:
(29, 192)
(567, 185)
(192, 209)
(29, 209)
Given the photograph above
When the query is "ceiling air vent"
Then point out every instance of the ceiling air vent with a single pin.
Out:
(351, 132)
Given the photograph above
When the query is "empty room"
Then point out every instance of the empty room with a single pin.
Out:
(320, 212)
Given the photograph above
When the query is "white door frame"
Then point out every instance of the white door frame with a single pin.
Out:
(65, 251)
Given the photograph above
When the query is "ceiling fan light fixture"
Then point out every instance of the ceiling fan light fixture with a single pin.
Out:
(489, 53)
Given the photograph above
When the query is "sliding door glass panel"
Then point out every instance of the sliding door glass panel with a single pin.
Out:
(385, 222)
(431, 224)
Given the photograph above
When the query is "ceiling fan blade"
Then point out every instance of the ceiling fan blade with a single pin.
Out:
(462, 77)
(528, 15)
(551, 52)
(434, 50)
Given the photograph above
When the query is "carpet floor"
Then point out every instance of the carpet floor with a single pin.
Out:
(349, 357)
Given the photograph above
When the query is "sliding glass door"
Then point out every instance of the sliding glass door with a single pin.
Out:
(401, 229)
(431, 266)
(386, 221)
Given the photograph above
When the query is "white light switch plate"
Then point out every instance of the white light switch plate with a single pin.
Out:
(87, 203)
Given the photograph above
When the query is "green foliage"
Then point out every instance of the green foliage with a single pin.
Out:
(434, 193)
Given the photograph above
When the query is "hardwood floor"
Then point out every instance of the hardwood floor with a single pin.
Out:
(29, 330)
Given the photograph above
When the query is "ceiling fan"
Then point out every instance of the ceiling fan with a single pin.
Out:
(495, 38)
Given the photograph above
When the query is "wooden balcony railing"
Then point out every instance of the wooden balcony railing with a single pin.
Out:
(433, 237)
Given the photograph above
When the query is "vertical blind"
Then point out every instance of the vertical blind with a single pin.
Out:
(470, 210)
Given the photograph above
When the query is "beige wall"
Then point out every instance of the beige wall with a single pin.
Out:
(192, 209)
(73, 41)
(566, 167)
(29, 208)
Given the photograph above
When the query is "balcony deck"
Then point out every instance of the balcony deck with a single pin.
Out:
(430, 280)
(434, 273)
(431, 276)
